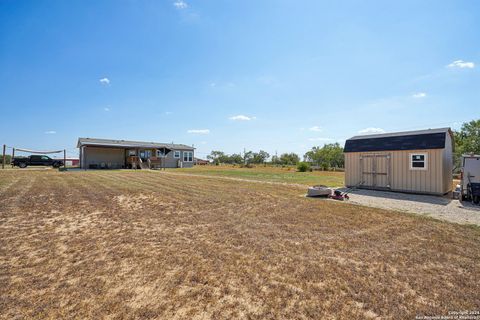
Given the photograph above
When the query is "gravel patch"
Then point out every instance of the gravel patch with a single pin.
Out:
(443, 208)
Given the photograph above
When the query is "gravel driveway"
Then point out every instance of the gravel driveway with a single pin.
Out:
(444, 208)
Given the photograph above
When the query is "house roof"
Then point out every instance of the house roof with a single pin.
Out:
(408, 140)
(129, 144)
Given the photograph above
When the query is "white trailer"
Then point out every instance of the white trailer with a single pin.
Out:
(470, 178)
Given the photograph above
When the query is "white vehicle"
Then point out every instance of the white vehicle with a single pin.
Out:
(470, 178)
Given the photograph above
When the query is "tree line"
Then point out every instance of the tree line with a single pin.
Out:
(326, 157)
(251, 157)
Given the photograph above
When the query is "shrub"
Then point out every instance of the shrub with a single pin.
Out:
(303, 167)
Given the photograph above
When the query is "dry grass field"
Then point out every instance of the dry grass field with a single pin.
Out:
(149, 245)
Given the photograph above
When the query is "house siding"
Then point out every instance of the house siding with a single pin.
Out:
(172, 162)
(115, 157)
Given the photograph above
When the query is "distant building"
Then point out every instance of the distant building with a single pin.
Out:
(412, 161)
(72, 162)
(201, 162)
(117, 154)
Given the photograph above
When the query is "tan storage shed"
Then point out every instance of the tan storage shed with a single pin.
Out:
(412, 161)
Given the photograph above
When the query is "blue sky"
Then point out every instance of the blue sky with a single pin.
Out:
(273, 75)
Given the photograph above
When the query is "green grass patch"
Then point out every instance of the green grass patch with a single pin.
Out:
(271, 174)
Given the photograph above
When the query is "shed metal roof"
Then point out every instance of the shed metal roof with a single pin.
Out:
(408, 140)
(129, 144)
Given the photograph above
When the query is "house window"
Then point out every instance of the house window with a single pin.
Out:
(187, 156)
(418, 161)
(160, 153)
(176, 154)
(132, 153)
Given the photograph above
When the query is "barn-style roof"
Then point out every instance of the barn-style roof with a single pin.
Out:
(408, 140)
(129, 144)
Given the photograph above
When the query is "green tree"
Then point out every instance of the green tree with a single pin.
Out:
(260, 157)
(289, 158)
(248, 157)
(314, 156)
(328, 156)
(275, 160)
(217, 157)
(303, 167)
(467, 140)
(236, 158)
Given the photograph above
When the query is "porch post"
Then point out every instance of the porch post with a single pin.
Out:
(82, 158)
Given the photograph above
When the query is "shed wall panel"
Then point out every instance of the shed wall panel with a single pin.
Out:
(402, 178)
(448, 165)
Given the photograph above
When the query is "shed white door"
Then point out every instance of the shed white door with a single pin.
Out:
(375, 170)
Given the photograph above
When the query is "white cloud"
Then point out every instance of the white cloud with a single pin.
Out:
(241, 117)
(419, 95)
(105, 81)
(371, 130)
(106, 109)
(320, 139)
(315, 129)
(199, 131)
(168, 113)
(50, 132)
(180, 4)
(461, 64)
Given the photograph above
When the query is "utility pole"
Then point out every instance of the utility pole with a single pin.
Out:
(4, 157)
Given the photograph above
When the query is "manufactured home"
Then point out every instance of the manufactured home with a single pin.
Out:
(412, 161)
(118, 154)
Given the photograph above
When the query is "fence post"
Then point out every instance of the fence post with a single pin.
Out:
(65, 159)
(13, 156)
(4, 158)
